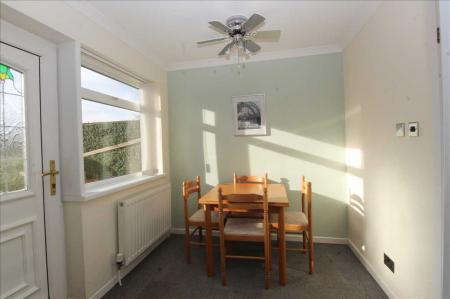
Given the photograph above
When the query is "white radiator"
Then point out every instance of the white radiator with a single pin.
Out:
(143, 219)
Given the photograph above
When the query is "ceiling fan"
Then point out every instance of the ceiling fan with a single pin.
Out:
(241, 33)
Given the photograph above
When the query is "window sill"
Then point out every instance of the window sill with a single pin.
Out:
(113, 187)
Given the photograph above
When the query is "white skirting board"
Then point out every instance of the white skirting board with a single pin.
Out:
(289, 237)
(372, 271)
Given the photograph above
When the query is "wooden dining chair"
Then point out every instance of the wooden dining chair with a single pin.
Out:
(244, 229)
(250, 179)
(300, 222)
(197, 219)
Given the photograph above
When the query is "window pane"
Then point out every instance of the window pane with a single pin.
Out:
(12, 131)
(100, 83)
(111, 141)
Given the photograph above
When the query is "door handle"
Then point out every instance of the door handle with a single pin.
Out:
(52, 173)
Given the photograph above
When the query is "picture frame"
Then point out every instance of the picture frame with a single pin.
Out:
(249, 113)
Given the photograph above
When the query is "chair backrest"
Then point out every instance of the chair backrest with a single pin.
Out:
(243, 203)
(307, 198)
(250, 179)
(302, 192)
(189, 188)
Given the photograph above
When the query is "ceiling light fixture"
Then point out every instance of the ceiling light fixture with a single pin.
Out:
(241, 33)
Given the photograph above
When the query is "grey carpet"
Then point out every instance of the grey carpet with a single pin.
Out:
(165, 274)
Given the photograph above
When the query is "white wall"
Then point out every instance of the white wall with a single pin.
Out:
(391, 75)
(91, 227)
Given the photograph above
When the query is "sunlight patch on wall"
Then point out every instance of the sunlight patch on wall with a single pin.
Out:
(356, 193)
(353, 111)
(209, 117)
(353, 157)
(304, 144)
(158, 104)
(210, 158)
(261, 160)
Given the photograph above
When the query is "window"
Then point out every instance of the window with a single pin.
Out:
(13, 170)
(111, 127)
(95, 81)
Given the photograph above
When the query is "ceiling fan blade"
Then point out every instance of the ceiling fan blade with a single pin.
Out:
(267, 36)
(225, 49)
(214, 40)
(253, 22)
(219, 26)
(252, 46)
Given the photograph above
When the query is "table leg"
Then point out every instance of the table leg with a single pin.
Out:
(282, 247)
(209, 252)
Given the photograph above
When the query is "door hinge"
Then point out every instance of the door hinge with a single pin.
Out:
(438, 35)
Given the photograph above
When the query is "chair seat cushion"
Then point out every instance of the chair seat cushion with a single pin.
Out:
(244, 227)
(199, 217)
(293, 221)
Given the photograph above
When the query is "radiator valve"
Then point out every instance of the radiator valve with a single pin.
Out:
(119, 259)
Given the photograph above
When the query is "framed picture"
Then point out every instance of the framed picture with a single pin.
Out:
(249, 115)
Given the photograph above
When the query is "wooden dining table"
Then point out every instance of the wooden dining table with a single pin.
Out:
(278, 200)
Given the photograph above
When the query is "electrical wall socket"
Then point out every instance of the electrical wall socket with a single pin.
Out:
(413, 129)
(389, 263)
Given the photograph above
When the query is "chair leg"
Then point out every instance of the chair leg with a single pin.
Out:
(270, 252)
(278, 238)
(304, 242)
(266, 264)
(187, 244)
(311, 252)
(200, 234)
(222, 262)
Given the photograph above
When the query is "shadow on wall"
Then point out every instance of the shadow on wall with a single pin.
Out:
(284, 143)
(322, 163)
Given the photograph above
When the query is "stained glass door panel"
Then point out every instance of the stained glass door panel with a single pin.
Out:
(13, 169)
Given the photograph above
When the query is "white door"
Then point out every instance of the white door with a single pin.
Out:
(22, 233)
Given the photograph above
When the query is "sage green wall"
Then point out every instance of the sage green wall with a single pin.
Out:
(306, 136)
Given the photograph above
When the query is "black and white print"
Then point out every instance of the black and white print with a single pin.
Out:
(249, 115)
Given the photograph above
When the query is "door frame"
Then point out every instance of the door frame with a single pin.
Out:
(444, 25)
(53, 206)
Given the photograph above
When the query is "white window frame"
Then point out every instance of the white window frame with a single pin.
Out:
(98, 97)
(93, 63)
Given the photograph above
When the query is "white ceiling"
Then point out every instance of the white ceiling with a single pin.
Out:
(167, 31)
